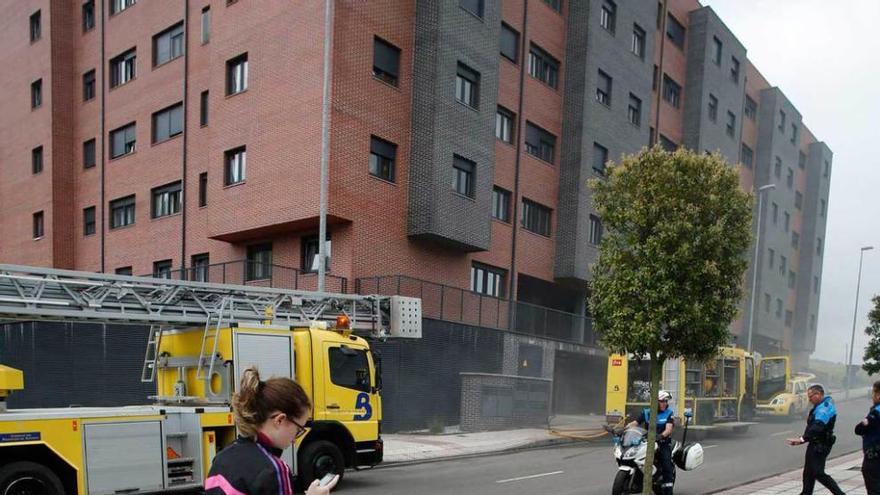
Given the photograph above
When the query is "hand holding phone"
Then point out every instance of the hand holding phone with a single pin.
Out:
(327, 479)
(323, 485)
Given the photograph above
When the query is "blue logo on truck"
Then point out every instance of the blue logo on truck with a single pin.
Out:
(363, 402)
(31, 436)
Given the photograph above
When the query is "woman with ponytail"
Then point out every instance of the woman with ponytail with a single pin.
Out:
(270, 416)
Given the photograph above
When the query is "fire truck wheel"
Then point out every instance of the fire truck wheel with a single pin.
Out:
(29, 478)
(319, 458)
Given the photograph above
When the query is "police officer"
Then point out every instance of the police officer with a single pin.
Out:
(820, 435)
(665, 424)
(869, 430)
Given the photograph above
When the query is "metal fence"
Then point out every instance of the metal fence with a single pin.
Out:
(254, 273)
(443, 302)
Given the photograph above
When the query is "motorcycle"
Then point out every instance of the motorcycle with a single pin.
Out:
(631, 448)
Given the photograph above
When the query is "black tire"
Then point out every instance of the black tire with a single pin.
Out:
(317, 459)
(621, 483)
(29, 478)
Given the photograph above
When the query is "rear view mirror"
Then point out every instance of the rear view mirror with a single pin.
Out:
(689, 413)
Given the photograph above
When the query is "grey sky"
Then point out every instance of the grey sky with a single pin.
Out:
(825, 56)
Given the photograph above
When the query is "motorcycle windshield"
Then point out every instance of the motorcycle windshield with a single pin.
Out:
(632, 436)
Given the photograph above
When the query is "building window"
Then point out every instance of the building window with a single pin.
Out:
(36, 26)
(595, 230)
(716, 50)
(766, 302)
(781, 125)
(734, 70)
(501, 204)
(504, 125)
(123, 67)
(310, 253)
(123, 270)
(713, 108)
(38, 225)
(777, 168)
(751, 108)
(788, 318)
(206, 24)
(608, 16)
(386, 61)
(122, 212)
(37, 160)
(798, 200)
(89, 153)
(775, 209)
(166, 200)
(638, 42)
(117, 6)
(603, 88)
(789, 178)
(554, 4)
(815, 284)
(237, 74)
(634, 112)
(168, 45)
(123, 140)
(543, 66)
(200, 264)
(667, 144)
(89, 85)
(463, 176)
(671, 91)
(786, 220)
(203, 189)
(747, 156)
(655, 81)
(89, 220)
(235, 165)
(536, 217)
(383, 158)
(467, 86)
(203, 108)
(827, 170)
(795, 240)
(822, 206)
(792, 278)
(818, 246)
(771, 258)
(731, 124)
(794, 132)
(783, 264)
(802, 160)
(778, 308)
(37, 93)
(509, 43)
(675, 31)
(540, 143)
(259, 262)
(167, 123)
(487, 280)
(88, 15)
(600, 158)
(162, 269)
(473, 6)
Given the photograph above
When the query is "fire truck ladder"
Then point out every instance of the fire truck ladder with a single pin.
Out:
(31, 293)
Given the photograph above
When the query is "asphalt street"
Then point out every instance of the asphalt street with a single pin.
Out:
(589, 468)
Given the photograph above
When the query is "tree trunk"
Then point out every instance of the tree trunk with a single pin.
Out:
(656, 373)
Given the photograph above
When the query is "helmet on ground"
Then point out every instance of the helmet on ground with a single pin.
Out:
(663, 395)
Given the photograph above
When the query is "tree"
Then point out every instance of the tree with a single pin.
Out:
(669, 278)
(871, 358)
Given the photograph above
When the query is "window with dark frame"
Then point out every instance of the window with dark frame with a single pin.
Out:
(786, 220)
(89, 220)
(781, 125)
(536, 217)
(540, 143)
(595, 230)
(199, 266)
(235, 165)
(675, 31)
(37, 93)
(166, 200)
(501, 204)
(543, 66)
(778, 308)
(608, 16)
(38, 229)
(668, 144)
(554, 4)
(467, 86)
(203, 189)
(751, 110)
(794, 133)
(349, 368)
(203, 108)
(777, 168)
(167, 123)
(504, 125)
(638, 42)
(123, 140)
(259, 262)
(88, 82)
(783, 264)
(488, 280)
(671, 91)
(734, 70)
(655, 81)
(386, 61)
(731, 124)
(122, 212)
(789, 178)
(509, 43)
(600, 158)
(747, 156)
(206, 24)
(123, 270)
(168, 45)
(766, 302)
(117, 6)
(716, 50)
(795, 240)
(475, 7)
(309, 253)
(37, 160)
(463, 176)
(36, 26)
(815, 284)
(792, 278)
(822, 207)
(802, 160)
(775, 210)
(771, 258)
(798, 200)
(88, 15)
(603, 88)
(123, 67)
(634, 112)
(713, 108)
(383, 158)
(237, 74)
(827, 170)
(89, 149)
(162, 269)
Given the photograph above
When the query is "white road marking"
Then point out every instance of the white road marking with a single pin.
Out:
(780, 433)
(530, 477)
(709, 447)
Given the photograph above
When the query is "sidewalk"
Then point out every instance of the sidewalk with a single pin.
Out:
(844, 469)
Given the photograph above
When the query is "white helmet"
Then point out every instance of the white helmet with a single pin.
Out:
(663, 395)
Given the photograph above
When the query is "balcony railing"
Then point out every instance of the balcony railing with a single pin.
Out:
(259, 274)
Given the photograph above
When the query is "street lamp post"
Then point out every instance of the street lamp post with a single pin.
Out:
(755, 266)
(852, 338)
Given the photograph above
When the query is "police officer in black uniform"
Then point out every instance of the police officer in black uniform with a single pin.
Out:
(820, 435)
(869, 430)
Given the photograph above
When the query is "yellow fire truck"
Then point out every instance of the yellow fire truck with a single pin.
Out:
(722, 392)
(202, 336)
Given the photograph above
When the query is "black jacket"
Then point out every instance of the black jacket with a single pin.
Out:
(249, 467)
(820, 424)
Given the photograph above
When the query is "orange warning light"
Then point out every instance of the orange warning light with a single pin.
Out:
(343, 322)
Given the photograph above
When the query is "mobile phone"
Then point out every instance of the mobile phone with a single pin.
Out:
(326, 479)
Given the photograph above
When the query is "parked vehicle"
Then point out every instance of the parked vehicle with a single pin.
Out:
(793, 402)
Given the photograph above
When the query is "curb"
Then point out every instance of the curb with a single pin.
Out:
(758, 480)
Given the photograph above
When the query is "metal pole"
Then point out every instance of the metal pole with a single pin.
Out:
(855, 316)
(755, 266)
(325, 145)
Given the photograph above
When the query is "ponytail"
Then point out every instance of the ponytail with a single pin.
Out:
(256, 400)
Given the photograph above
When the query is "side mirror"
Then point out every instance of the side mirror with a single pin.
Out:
(689, 413)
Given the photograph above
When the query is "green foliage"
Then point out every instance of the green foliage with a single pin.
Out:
(669, 278)
(872, 350)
